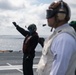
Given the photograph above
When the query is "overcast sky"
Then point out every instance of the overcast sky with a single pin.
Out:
(25, 12)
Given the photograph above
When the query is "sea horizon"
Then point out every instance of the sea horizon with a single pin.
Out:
(15, 42)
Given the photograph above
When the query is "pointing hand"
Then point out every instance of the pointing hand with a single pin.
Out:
(14, 24)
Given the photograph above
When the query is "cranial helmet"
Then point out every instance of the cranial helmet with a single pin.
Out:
(32, 27)
(60, 10)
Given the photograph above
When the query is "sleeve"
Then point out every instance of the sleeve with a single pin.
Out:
(62, 48)
(22, 31)
(41, 41)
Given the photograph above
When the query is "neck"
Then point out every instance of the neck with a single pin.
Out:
(32, 33)
(59, 24)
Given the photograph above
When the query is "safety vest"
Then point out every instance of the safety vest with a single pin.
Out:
(29, 43)
(45, 63)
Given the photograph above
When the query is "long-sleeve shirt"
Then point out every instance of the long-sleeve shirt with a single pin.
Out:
(63, 46)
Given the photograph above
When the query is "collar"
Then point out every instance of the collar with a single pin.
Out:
(61, 27)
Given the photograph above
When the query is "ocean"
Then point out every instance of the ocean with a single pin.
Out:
(14, 42)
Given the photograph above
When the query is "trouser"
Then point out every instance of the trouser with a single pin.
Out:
(75, 71)
(28, 65)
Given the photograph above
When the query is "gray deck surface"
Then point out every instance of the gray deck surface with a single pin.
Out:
(11, 63)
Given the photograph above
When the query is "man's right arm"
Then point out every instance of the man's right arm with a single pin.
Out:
(21, 30)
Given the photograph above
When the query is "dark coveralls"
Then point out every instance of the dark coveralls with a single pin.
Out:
(29, 45)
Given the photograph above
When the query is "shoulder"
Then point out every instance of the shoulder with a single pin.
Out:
(63, 41)
(64, 37)
(35, 34)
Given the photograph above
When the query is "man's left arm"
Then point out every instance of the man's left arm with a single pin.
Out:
(62, 49)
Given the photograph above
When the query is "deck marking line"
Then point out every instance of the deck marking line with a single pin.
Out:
(16, 68)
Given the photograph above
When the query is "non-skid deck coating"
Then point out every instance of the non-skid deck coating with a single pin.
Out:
(11, 63)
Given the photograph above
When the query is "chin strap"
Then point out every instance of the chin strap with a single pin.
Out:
(51, 29)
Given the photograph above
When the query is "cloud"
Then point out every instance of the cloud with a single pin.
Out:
(25, 12)
(72, 5)
(11, 4)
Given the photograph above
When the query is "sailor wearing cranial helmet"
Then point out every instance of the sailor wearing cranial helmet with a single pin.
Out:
(59, 51)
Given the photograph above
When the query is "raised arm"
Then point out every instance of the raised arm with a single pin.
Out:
(21, 30)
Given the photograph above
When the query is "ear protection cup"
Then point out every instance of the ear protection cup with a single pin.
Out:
(61, 15)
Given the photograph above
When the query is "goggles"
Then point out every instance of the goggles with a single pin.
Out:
(50, 13)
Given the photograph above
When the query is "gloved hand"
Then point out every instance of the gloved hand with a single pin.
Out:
(14, 23)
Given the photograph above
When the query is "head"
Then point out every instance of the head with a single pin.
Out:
(58, 13)
(32, 28)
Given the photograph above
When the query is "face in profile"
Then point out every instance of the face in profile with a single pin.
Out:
(51, 22)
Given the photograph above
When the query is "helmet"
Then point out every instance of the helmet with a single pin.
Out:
(73, 24)
(32, 27)
(60, 10)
